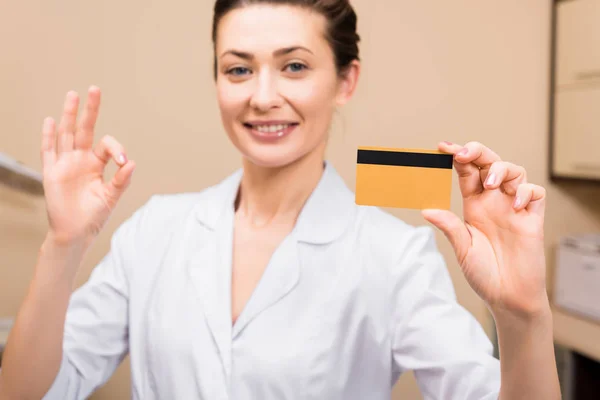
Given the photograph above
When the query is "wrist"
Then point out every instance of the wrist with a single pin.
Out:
(65, 244)
(536, 313)
(59, 259)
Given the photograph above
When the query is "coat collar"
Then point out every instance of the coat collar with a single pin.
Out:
(323, 218)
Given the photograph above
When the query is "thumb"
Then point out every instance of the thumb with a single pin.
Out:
(453, 228)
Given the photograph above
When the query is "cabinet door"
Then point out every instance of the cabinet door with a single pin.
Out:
(577, 133)
(575, 151)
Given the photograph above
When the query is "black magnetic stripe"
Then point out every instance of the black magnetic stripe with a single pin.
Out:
(404, 159)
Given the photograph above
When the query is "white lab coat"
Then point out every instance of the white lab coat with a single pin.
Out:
(352, 298)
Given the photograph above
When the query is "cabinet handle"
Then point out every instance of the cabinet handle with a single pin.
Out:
(588, 75)
(587, 166)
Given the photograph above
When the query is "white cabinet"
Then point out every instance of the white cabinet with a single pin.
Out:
(577, 280)
(575, 124)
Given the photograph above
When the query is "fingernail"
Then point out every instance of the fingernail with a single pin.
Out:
(491, 180)
(463, 152)
(448, 143)
(122, 159)
(518, 202)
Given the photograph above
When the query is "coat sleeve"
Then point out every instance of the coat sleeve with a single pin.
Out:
(434, 336)
(96, 326)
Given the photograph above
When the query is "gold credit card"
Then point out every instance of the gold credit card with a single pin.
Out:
(403, 178)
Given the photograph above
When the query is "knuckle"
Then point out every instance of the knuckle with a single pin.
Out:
(519, 168)
(516, 170)
(499, 167)
(105, 140)
(111, 144)
(473, 145)
(540, 189)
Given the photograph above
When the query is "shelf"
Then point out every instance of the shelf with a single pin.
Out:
(576, 333)
(20, 177)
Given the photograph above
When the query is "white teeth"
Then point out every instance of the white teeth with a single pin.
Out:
(271, 128)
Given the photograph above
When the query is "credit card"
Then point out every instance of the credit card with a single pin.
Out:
(403, 178)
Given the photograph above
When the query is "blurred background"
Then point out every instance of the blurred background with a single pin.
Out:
(432, 70)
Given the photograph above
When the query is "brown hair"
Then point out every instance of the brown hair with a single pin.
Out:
(341, 25)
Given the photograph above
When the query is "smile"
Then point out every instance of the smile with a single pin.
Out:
(271, 131)
(271, 128)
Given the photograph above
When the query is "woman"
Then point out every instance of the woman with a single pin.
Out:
(273, 284)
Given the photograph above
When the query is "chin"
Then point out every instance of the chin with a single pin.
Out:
(271, 157)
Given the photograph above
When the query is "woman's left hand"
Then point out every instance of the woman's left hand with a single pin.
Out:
(500, 244)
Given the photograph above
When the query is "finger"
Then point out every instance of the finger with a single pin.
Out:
(468, 174)
(478, 154)
(48, 143)
(454, 230)
(109, 148)
(84, 138)
(120, 181)
(66, 129)
(506, 175)
(532, 197)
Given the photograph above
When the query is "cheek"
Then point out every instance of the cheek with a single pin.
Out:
(316, 103)
(313, 100)
(232, 100)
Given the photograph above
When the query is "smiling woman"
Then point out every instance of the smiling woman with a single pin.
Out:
(274, 284)
(279, 85)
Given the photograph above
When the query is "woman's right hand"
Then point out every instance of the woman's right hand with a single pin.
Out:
(78, 201)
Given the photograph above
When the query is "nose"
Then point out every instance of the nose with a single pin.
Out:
(266, 94)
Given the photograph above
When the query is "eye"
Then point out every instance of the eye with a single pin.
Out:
(296, 67)
(238, 71)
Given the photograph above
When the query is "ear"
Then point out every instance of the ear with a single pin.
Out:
(347, 83)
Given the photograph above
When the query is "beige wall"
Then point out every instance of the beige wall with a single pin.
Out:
(433, 70)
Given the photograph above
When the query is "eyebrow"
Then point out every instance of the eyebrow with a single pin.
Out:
(277, 53)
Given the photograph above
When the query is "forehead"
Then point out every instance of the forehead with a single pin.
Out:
(270, 27)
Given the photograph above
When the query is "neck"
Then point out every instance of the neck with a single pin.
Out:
(277, 195)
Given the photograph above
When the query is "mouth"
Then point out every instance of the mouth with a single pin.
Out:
(270, 130)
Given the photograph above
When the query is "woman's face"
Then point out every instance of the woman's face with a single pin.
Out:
(277, 82)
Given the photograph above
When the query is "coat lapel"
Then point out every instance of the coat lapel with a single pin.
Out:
(324, 218)
(210, 273)
(279, 278)
(210, 264)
